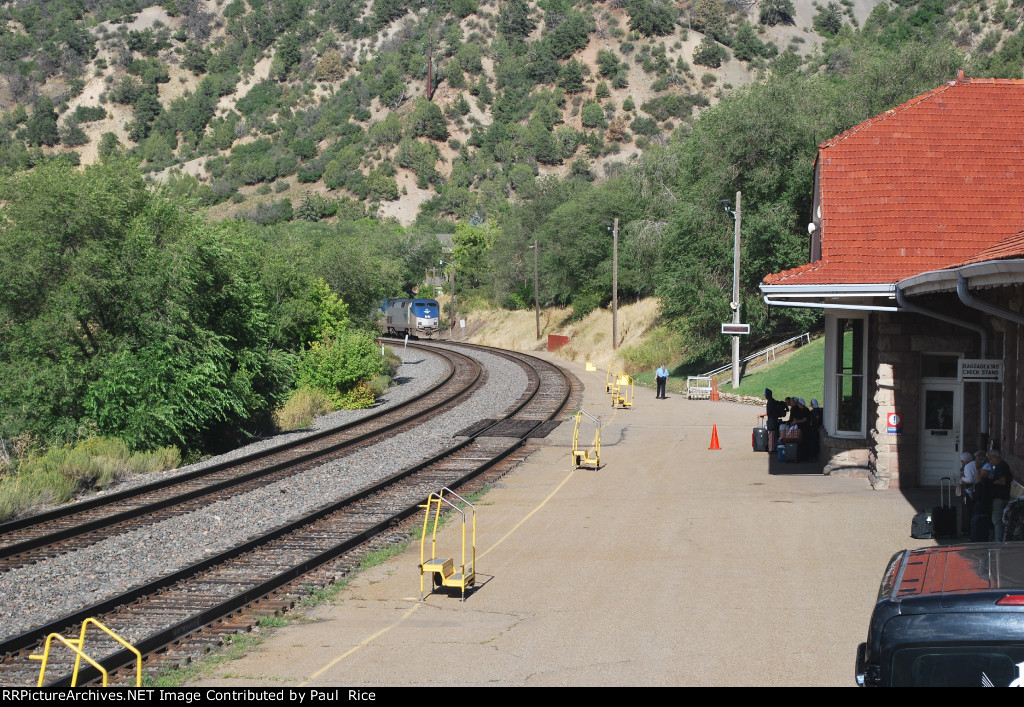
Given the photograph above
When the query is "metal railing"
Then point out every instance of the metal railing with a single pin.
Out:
(768, 353)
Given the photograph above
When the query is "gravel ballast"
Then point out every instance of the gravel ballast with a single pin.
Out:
(38, 593)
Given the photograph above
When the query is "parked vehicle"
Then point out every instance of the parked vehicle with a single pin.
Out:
(948, 616)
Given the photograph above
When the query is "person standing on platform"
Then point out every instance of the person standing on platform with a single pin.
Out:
(661, 376)
(981, 516)
(774, 410)
(968, 478)
(1000, 478)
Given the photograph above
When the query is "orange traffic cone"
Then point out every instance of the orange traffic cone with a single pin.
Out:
(714, 437)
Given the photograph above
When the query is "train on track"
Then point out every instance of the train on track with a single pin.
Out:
(416, 316)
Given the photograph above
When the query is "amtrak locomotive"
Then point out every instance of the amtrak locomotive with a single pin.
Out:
(415, 317)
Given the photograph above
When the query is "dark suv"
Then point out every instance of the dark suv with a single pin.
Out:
(948, 616)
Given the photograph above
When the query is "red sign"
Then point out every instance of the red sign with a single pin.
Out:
(556, 341)
(894, 423)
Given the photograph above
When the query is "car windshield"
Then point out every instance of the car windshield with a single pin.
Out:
(959, 666)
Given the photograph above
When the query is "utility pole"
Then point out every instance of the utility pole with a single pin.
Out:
(735, 328)
(736, 295)
(615, 285)
(536, 286)
(451, 324)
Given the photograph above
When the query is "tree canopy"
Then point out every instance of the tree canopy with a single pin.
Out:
(125, 314)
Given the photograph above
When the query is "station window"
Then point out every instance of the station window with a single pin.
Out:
(940, 365)
(850, 382)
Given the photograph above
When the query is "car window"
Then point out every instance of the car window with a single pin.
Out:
(958, 666)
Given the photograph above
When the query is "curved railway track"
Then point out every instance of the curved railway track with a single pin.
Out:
(255, 577)
(73, 527)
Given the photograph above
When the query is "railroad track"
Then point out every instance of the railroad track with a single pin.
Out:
(70, 528)
(225, 592)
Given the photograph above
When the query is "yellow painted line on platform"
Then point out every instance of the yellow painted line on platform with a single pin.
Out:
(365, 642)
(527, 516)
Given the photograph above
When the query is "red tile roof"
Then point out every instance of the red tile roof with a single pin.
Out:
(1012, 247)
(921, 187)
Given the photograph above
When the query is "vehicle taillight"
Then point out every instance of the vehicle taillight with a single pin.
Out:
(1011, 600)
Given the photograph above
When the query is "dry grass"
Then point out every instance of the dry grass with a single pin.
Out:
(301, 409)
(57, 475)
(590, 340)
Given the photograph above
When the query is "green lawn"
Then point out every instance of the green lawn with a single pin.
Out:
(798, 375)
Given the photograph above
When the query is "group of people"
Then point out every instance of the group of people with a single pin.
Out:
(792, 418)
(985, 481)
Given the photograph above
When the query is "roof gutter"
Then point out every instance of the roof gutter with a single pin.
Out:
(848, 290)
(992, 273)
(774, 294)
(963, 282)
(825, 305)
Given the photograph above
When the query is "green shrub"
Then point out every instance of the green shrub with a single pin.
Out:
(710, 53)
(661, 345)
(87, 114)
(592, 115)
(427, 120)
(358, 398)
(829, 19)
(584, 303)
(379, 384)
(777, 12)
(645, 126)
(301, 408)
(338, 364)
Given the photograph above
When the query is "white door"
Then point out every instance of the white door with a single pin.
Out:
(940, 432)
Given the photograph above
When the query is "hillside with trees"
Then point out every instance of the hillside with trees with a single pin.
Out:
(271, 168)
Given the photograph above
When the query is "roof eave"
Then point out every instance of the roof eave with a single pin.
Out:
(868, 289)
(991, 273)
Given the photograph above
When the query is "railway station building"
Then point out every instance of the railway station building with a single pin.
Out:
(917, 259)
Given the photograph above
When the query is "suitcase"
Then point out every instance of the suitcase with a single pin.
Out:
(921, 527)
(938, 521)
(759, 439)
(944, 515)
(792, 451)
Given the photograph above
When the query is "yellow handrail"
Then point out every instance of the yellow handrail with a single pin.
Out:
(582, 456)
(610, 378)
(464, 578)
(78, 646)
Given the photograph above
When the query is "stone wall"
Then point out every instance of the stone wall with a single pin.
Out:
(896, 341)
(1007, 400)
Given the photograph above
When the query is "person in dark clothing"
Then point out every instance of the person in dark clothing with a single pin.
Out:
(790, 404)
(1000, 478)
(817, 422)
(800, 416)
(981, 517)
(773, 409)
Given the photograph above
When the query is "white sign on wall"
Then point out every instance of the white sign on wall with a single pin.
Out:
(981, 370)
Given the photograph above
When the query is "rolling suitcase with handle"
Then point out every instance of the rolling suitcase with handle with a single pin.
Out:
(938, 521)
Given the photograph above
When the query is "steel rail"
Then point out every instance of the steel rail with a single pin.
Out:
(63, 534)
(180, 629)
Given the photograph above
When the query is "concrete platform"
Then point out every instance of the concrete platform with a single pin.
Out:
(671, 565)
